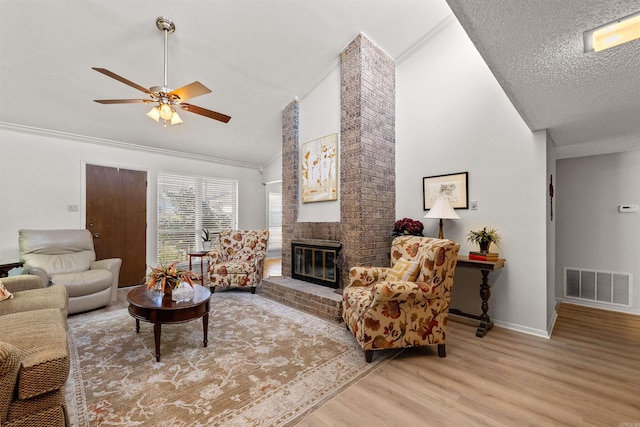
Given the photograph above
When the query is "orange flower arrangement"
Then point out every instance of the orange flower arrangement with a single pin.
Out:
(169, 277)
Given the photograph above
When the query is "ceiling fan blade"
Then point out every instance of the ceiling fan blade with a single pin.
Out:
(122, 79)
(121, 101)
(190, 91)
(204, 112)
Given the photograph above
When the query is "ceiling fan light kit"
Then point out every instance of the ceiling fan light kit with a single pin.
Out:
(166, 98)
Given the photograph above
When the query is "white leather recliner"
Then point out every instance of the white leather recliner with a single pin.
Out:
(67, 257)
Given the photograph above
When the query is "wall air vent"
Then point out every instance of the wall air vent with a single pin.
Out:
(601, 287)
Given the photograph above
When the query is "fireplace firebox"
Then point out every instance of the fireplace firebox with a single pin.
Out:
(316, 261)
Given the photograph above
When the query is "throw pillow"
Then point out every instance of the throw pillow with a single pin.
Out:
(403, 270)
(4, 293)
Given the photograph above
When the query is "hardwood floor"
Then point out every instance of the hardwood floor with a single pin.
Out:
(587, 374)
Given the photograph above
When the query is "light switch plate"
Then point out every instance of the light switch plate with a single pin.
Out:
(627, 208)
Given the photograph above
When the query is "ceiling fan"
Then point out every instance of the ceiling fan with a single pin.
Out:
(167, 99)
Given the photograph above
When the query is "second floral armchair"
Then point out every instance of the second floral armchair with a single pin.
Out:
(406, 305)
(239, 262)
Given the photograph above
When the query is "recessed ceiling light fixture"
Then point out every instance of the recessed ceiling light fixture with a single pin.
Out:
(613, 33)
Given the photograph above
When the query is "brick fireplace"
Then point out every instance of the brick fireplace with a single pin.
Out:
(367, 165)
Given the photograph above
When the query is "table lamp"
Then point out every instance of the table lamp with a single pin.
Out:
(442, 210)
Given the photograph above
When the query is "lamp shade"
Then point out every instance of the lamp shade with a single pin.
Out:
(175, 119)
(442, 210)
(154, 114)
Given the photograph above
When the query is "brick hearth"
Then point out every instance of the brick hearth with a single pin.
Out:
(314, 299)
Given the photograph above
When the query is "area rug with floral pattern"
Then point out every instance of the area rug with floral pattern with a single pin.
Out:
(265, 365)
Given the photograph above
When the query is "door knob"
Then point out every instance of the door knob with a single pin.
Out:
(96, 235)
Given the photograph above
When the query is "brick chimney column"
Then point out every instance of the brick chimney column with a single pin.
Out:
(367, 164)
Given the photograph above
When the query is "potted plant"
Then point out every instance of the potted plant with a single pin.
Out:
(168, 278)
(407, 226)
(206, 240)
(484, 238)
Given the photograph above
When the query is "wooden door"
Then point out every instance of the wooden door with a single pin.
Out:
(117, 218)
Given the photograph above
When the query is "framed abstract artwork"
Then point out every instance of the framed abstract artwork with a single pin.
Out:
(455, 186)
(319, 169)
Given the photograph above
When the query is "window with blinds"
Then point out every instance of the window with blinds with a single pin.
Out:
(186, 206)
(275, 226)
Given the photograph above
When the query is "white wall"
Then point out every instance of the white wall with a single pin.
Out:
(41, 174)
(590, 232)
(320, 116)
(452, 116)
(272, 171)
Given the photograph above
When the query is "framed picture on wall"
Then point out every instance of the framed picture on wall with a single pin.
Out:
(455, 186)
(319, 169)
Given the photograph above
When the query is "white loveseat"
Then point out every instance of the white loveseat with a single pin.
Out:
(67, 257)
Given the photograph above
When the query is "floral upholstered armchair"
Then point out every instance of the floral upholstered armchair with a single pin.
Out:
(406, 305)
(240, 260)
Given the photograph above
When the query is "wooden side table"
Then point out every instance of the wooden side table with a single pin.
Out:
(485, 268)
(6, 266)
(201, 255)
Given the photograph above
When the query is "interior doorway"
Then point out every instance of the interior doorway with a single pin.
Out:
(116, 215)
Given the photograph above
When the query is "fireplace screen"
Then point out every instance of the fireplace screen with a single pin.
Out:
(315, 261)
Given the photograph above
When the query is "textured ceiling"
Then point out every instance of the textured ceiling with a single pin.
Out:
(535, 50)
(256, 56)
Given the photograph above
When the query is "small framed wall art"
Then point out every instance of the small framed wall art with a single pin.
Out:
(454, 186)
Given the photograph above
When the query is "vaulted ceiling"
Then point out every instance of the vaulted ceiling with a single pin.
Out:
(256, 56)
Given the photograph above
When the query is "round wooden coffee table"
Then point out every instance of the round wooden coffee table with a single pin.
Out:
(150, 306)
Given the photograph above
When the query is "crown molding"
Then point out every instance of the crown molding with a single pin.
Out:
(117, 144)
(422, 41)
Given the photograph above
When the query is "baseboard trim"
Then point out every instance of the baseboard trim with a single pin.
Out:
(524, 329)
